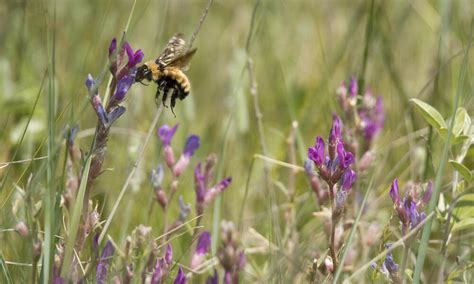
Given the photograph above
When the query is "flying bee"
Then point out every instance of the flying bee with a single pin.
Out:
(168, 70)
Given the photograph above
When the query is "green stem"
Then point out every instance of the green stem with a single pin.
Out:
(439, 176)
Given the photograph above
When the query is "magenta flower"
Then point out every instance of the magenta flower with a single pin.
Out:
(133, 57)
(180, 277)
(332, 166)
(191, 146)
(353, 87)
(202, 247)
(316, 153)
(410, 209)
(123, 85)
(394, 192)
(204, 194)
(101, 270)
(348, 179)
(168, 255)
(214, 279)
(112, 47)
(166, 133)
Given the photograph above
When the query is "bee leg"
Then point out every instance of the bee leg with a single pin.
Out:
(173, 101)
(157, 96)
(165, 96)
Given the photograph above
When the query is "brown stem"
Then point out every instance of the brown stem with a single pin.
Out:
(332, 245)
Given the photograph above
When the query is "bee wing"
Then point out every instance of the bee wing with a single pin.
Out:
(182, 61)
(174, 48)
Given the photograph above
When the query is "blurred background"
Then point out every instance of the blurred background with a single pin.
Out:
(302, 51)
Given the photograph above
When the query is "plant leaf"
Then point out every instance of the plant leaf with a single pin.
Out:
(462, 169)
(463, 225)
(430, 114)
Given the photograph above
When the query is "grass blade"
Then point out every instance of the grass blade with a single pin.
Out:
(75, 220)
(439, 175)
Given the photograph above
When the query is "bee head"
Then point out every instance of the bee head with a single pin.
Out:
(143, 72)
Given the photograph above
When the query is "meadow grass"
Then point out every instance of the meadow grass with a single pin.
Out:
(266, 80)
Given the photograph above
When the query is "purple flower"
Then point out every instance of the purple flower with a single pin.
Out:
(316, 154)
(204, 243)
(157, 274)
(99, 110)
(133, 57)
(157, 176)
(200, 187)
(215, 190)
(335, 136)
(390, 264)
(345, 158)
(180, 277)
(428, 192)
(169, 255)
(112, 47)
(202, 247)
(214, 279)
(348, 179)
(192, 144)
(90, 82)
(166, 133)
(105, 258)
(353, 87)
(115, 114)
(123, 85)
(394, 192)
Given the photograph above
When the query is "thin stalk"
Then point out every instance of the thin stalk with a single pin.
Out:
(352, 233)
(368, 39)
(405, 255)
(130, 175)
(332, 239)
(391, 248)
(439, 175)
(49, 204)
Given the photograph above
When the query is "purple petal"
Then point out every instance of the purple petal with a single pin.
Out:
(200, 187)
(116, 113)
(428, 192)
(394, 192)
(123, 85)
(157, 274)
(166, 133)
(353, 87)
(112, 46)
(316, 154)
(192, 144)
(390, 264)
(345, 158)
(348, 179)
(101, 270)
(90, 82)
(213, 279)
(180, 277)
(204, 243)
(169, 254)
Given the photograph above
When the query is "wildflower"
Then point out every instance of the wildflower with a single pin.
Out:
(165, 133)
(133, 57)
(331, 167)
(314, 181)
(192, 144)
(410, 209)
(180, 277)
(214, 279)
(168, 255)
(101, 270)
(202, 247)
(231, 257)
(123, 85)
(22, 229)
(118, 66)
(353, 87)
(204, 194)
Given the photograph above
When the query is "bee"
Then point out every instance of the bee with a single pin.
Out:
(168, 71)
